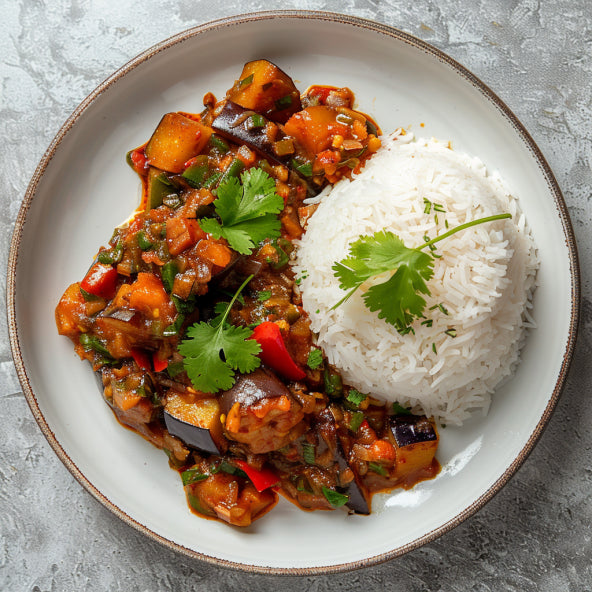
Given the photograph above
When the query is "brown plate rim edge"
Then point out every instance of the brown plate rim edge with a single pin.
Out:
(347, 20)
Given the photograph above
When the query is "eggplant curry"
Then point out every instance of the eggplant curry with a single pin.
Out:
(192, 320)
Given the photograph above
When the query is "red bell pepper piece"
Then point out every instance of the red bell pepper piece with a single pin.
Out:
(261, 478)
(137, 159)
(141, 358)
(159, 365)
(274, 352)
(100, 280)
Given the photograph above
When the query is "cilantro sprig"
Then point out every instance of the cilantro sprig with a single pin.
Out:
(213, 351)
(247, 210)
(400, 299)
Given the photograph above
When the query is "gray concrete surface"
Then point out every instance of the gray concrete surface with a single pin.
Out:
(534, 535)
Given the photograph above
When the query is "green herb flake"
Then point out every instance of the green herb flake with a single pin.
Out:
(378, 468)
(283, 102)
(264, 295)
(247, 210)
(356, 419)
(356, 397)
(315, 359)
(335, 498)
(308, 453)
(246, 81)
(192, 476)
(304, 168)
(451, 332)
(400, 410)
(88, 297)
(434, 348)
(143, 242)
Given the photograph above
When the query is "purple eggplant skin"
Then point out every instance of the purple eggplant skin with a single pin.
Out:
(191, 435)
(232, 123)
(358, 501)
(251, 388)
(412, 429)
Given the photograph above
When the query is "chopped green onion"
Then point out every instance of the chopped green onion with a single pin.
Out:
(451, 332)
(333, 384)
(428, 205)
(168, 272)
(439, 207)
(427, 322)
(308, 453)
(357, 417)
(219, 144)
(212, 180)
(255, 121)
(246, 81)
(283, 102)
(400, 410)
(143, 241)
(93, 342)
(304, 169)
(226, 467)
(434, 348)
(192, 476)
(335, 498)
(88, 297)
(378, 468)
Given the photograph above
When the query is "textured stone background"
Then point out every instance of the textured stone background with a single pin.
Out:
(534, 535)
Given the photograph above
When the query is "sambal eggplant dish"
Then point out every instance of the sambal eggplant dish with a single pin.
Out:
(192, 318)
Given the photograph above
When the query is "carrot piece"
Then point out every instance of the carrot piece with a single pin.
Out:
(182, 233)
(148, 295)
(214, 252)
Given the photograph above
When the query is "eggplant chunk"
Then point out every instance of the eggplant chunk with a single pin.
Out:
(357, 501)
(234, 123)
(176, 139)
(416, 441)
(265, 88)
(195, 421)
(261, 412)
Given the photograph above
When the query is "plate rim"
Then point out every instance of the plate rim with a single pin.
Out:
(375, 27)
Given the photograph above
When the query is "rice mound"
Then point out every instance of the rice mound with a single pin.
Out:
(484, 279)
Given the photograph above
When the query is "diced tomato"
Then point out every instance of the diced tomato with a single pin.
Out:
(100, 280)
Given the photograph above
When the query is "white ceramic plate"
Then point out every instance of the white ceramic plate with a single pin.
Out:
(83, 188)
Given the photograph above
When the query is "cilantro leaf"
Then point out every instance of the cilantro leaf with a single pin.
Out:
(247, 211)
(398, 300)
(315, 359)
(214, 351)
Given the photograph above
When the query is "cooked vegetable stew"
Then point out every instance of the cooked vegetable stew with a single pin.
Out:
(192, 320)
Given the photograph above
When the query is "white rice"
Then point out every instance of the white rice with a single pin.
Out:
(484, 279)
